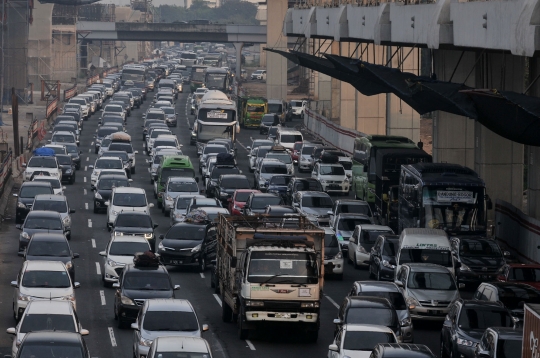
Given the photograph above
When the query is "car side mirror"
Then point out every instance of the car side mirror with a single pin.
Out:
(11, 330)
(18, 226)
(204, 327)
(135, 326)
(176, 287)
(337, 321)
(116, 285)
(84, 332)
(506, 253)
(155, 226)
(72, 211)
(76, 285)
(91, 166)
(14, 284)
(76, 255)
(16, 195)
(151, 205)
(136, 152)
(102, 253)
(399, 283)
(333, 348)
(107, 203)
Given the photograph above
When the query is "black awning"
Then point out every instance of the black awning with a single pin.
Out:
(287, 55)
(511, 115)
(442, 96)
(319, 64)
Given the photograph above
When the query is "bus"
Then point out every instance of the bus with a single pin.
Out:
(217, 79)
(197, 76)
(443, 196)
(135, 73)
(216, 118)
(188, 59)
(213, 59)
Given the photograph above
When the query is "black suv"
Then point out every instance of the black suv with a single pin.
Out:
(512, 295)
(137, 284)
(301, 184)
(479, 259)
(75, 154)
(217, 171)
(104, 187)
(136, 223)
(257, 203)
(382, 258)
(54, 343)
(466, 322)
(65, 162)
(228, 183)
(25, 197)
(278, 184)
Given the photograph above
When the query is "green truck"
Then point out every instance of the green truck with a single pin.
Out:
(251, 110)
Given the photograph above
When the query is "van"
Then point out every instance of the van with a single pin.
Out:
(287, 138)
(278, 107)
(419, 245)
(171, 166)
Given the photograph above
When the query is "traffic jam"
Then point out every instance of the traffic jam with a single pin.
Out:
(166, 216)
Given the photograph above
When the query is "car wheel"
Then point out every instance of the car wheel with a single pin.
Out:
(355, 263)
(132, 170)
(96, 150)
(95, 210)
(378, 274)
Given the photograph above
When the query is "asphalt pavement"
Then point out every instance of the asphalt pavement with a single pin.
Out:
(95, 302)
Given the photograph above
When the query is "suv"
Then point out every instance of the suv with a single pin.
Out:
(465, 323)
(362, 241)
(54, 343)
(266, 170)
(104, 163)
(349, 206)
(42, 164)
(55, 203)
(296, 108)
(40, 221)
(25, 197)
(136, 223)
(126, 198)
(257, 203)
(137, 284)
(177, 186)
(259, 75)
(179, 207)
(382, 259)
(314, 205)
(297, 185)
(512, 295)
(498, 342)
(333, 257)
(104, 187)
(346, 224)
(227, 184)
(217, 171)
(332, 177)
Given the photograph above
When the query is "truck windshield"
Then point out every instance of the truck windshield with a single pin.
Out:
(255, 108)
(454, 209)
(438, 257)
(215, 80)
(207, 132)
(282, 267)
(275, 108)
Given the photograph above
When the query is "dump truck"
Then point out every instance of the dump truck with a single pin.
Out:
(251, 110)
(269, 271)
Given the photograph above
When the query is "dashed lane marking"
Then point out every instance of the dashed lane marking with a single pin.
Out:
(111, 334)
(85, 179)
(90, 150)
(94, 243)
(87, 159)
(102, 295)
(89, 222)
(218, 299)
(250, 345)
(85, 168)
(86, 206)
(332, 301)
(98, 268)
(85, 191)
(202, 274)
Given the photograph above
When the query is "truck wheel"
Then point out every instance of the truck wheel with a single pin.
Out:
(226, 311)
(312, 336)
(242, 332)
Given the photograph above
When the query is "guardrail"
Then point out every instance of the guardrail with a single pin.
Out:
(51, 108)
(91, 80)
(70, 92)
(5, 172)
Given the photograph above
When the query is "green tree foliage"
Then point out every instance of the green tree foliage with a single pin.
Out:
(231, 12)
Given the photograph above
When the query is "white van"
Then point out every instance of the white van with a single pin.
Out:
(419, 245)
(287, 137)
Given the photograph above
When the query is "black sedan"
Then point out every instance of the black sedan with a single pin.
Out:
(26, 196)
(65, 162)
(136, 223)
(40, 221)
(103, 189)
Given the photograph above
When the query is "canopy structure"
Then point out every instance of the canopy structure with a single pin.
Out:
(442, 96)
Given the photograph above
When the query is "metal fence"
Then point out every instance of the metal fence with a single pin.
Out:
(70, 92)
(5, 172)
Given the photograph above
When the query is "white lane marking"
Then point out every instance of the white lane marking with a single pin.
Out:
(91, 144)
(94, 243)
(250, 345)
(98, 268)
(218, 300)
(85, 168)
(86, 206)
(85, 192)
(90, 150)
(87, 159)
(89, 223)
(111, 334)
(202, 275)
(332, 301)
(102, 295)
(241, 145)
(85, 179)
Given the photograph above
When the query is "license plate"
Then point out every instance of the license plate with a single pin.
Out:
(334, 186)
(283, 315)
(435, 312)
(176, 262)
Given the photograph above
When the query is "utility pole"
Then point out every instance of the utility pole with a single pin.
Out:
(15, 111)
(3, 58)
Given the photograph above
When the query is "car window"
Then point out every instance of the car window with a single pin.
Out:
(376, 316)
(48, 322)
(36, 162)
(129, 199)
(127, 220)
(170, 321)
(50, 205)
(146, 281)
(317, 202)
(30, 191)
(186, 232)
(48, 279)
(127, 248)
(431, 281)
(482, 318)
(53, 349)
(48, 248)
(366, 341)
(44, 223)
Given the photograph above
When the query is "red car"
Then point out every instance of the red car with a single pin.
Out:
(522, 273)
(238, 200)
(297, 148)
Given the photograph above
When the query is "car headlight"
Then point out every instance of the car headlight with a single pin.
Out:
(405, 322)
(69, 265)
(98, 196)
(68, 171)
(323, 181)
(385, 263)
(168, 197)
(69, 297)
(339, 256)
(127, 301)
(196, 249)
(23, 297)
(114, 212)
(251, 303)
(464, 268)
(114, 263)
(21, 205)
(466, 342)
(67, 221)
(412, 303)
(145, 342)
(25, 235)
(309, 304)
(148, 235)
(160, 246)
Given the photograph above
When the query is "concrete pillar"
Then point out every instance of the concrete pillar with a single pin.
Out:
(347, 108)
(276, 69)
(453, 135)
(335, 112)
(238, 46)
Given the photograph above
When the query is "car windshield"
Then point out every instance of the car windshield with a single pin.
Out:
(376, 316)
(108, 164)
(72, 149)
(42, 162)
(186, 232)
(182, 203)
(122, 155)
(151, 281)
(37, 223)
(370, 236)
(217, 171)
(119, 248)
(47, 322)
(182, 187)
(31, 191)
(48, 248)
(48, 279)
(354, 209)
(63, 160)
(129, 220)
(108, 184)
(285, 158)
(308, 185)
(164, 143)
(438, 257)
(155, 115)
(235, 183)
(281, 181)
(529, 274)
(170, 321)
(156, 133)
(307, 150)
(509, 348)
(331, 170)
(290, 138)
(513, 297)
(431, 281)
(113, 109)
(317, 202)
(390, 247)
(273, 131)
(261, 203)
(50, 350)
(479, 248)
(366, 341)
(55, 183)
(129, 199)
(395, 298)
(50, 205)
(282, 267)
(123, 147)
(214, 149)
(483, 317)
(348, 224)
(274, 169)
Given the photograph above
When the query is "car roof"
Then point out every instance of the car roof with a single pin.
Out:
(377, 286)
(351, 202)
(366, 328)
(48, 236)
(517, 265)
(354, 216)
(52, 336)
(265, 195)
(368, 227)
(127, 238)
(43, 213)
(124, 189)
(229, 176)
(367, 302)
(314, 193)
(425, 267)
(405, 350)
(49, 307)
(481, 304)
(40, 265)
(181, 344)
(182, 179)
(136, 213)
(51, 197)
(132, 268)
(508, 333)
(112, 176)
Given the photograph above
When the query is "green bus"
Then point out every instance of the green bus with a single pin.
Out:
(198, 74)
(171, 166)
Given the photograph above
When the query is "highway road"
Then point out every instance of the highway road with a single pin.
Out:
(95, 303)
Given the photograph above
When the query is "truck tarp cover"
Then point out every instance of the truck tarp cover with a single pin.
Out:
(48, 152)
(278, 237)
(392, 160)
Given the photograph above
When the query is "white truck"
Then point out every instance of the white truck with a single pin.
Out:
(270, 271)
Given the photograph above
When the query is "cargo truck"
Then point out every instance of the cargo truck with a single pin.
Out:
(251, 110)
(269, 271)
